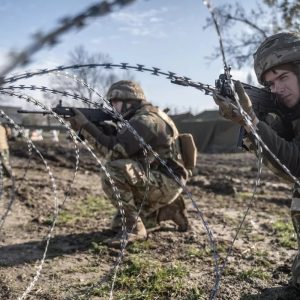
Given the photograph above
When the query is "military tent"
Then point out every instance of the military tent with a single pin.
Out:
(211, 132)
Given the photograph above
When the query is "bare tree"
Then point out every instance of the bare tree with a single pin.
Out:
(97, 78)
(269, 17)
(289, 11)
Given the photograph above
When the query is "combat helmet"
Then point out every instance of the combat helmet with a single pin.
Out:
(126, 90)
(278, 49)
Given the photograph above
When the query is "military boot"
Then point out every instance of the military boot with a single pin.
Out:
(136, 231)
(116, 223)
(175, 212)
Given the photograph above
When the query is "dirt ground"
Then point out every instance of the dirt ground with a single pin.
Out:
(170, 264)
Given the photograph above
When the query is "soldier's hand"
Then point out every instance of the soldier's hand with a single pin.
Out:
(229, 110)
(78, 120)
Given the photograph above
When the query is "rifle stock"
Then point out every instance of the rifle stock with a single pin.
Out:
(263, 101)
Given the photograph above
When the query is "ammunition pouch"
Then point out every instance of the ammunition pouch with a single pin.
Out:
(188, 150)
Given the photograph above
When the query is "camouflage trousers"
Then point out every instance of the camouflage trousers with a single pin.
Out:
(132, 183)
(6, 168)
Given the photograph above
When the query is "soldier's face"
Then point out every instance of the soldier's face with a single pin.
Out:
(117, 104)
(285, 84)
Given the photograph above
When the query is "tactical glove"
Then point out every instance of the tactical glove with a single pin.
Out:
(78, 120)
(229, 110)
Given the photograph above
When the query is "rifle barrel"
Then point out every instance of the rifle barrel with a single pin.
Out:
(24, 111)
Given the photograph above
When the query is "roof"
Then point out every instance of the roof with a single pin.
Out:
(209, 115)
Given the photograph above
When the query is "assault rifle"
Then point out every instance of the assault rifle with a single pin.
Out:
(263, 101)
(95, 115)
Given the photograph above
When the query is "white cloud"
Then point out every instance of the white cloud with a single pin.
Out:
(147, 23)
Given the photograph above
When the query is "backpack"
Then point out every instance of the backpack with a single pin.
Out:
(183, 144)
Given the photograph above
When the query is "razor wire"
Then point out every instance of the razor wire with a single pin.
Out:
(181, 80)
(39, 268)
(147, 167)
(74, 137)
(115, 113)
(144, 145)
(51, 38)
(172, 76)
(215, 290)
(74, 175)
(259, 143)
(123, 245)
(124, 236)
(211, 90)
(23, 57)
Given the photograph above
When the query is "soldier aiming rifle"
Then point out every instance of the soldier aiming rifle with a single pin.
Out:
(153, 189)
(277, 67)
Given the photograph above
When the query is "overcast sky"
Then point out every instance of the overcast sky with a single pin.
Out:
(167, 34)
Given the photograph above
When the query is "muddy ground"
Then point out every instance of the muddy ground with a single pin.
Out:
(170, 264)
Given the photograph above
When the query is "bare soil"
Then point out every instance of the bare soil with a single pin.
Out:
(221, 188)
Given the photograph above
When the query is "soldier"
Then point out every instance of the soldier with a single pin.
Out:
(155, 189)
(5, 134)
(277, 66)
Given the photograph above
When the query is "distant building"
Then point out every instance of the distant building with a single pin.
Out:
(12, 112)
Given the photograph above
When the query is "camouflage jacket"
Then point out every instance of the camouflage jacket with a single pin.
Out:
(156, 129)
(284, 142)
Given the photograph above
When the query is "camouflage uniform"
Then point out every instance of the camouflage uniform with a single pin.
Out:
(282, 137)
(127, 164)
(4, 151)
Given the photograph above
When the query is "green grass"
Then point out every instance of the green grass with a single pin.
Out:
(285, 233)
(144, 278)
(194, 251)
(89, 208)
(141, 247)
(98, 248)
(256, 272)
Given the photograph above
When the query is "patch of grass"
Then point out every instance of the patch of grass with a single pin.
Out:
(92, 206)
(285, 233)
(194, 251)
(98, 248)
(140, 278)
(141, 246)
(205, 252)
(89, 208)
(255, 272)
